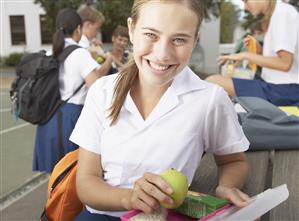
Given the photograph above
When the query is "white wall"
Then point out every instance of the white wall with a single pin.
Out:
(31, 14)
(209, 41)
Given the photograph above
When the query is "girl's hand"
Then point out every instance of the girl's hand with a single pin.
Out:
(233, 57)
(259, 48)
(237, 197)
(148, 192)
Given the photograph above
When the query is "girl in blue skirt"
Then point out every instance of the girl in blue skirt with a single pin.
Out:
(52, 139)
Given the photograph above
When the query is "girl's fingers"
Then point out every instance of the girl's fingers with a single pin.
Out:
(152, 190)
(159, 182)
(244, 196)
(147, 203)
(238, 198)
(141, 205)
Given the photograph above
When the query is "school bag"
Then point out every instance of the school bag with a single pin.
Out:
(63, 203)
(266, 126)
(34, 93)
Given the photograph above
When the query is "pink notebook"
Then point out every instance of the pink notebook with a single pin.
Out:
(173, 216)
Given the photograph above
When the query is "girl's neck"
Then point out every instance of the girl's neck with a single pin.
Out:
(117, 53)
(146, 97)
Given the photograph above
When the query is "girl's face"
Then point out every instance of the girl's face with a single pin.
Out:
(256, 7)
(163, 39)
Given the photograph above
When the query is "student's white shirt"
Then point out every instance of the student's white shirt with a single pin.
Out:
(282, 34)
(192, 116)
(73, 71)
(84, 42)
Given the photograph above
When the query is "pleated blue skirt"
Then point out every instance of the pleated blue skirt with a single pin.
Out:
(47, 149)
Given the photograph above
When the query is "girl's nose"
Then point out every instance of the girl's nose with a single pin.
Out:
(162, 50)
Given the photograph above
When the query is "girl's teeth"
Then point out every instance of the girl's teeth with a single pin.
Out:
(159, 67)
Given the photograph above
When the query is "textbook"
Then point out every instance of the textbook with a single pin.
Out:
(259, 205)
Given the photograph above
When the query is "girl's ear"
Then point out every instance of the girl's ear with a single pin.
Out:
(79, 29)
(131, 28)
(196, 40)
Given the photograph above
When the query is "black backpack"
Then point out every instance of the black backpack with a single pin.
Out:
(35, 92)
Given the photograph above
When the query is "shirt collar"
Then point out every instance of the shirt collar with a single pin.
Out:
(186, 81)
(84, 42)
(69, 41)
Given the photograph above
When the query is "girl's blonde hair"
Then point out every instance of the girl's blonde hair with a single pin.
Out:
(268, 14)
(129, 74)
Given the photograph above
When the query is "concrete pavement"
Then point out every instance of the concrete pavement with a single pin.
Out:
(22, 192)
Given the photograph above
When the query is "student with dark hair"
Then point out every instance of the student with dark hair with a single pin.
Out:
(77, 68)
(155, 114)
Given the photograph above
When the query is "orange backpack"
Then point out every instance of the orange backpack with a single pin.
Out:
(63, 203)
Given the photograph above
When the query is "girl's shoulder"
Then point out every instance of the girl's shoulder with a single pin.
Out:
(105, 83)
(284, 9)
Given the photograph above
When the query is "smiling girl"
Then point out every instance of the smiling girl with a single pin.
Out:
(155, 114)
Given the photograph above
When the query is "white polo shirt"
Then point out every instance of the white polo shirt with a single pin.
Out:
(73, 71)
(282, 34)
(192, 116)
(84, 42)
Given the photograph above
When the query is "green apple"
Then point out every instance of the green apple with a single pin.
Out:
(100, 59)
(179, 184)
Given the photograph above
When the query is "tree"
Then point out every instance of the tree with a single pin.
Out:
(229, 15)
(52, 7)
(116, 13)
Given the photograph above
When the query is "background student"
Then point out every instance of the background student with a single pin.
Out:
(77, 68)
(279, 83)
(119, 52)
(92, 21)
(155, 114)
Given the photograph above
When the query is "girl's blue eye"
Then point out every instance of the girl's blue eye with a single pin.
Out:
(150, 35)
(179, 41)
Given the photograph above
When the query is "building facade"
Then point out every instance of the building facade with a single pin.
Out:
(21, 27)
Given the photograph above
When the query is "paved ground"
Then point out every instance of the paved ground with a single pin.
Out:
(22, 192)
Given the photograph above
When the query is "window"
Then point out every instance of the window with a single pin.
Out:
(46, 35)
(17, 27)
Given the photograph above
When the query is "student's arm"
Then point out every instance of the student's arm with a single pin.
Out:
(98, 73)
(106, 65)
(232, 174)
(96, 193)
(282, 62)
(93, 190)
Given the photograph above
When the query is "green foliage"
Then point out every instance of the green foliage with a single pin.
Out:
(52, 8)
(211, 7)
(2, 61)
(116, 13)
(13, 59)
(229, 15)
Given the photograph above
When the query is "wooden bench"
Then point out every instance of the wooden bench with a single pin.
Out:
(267, 169)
